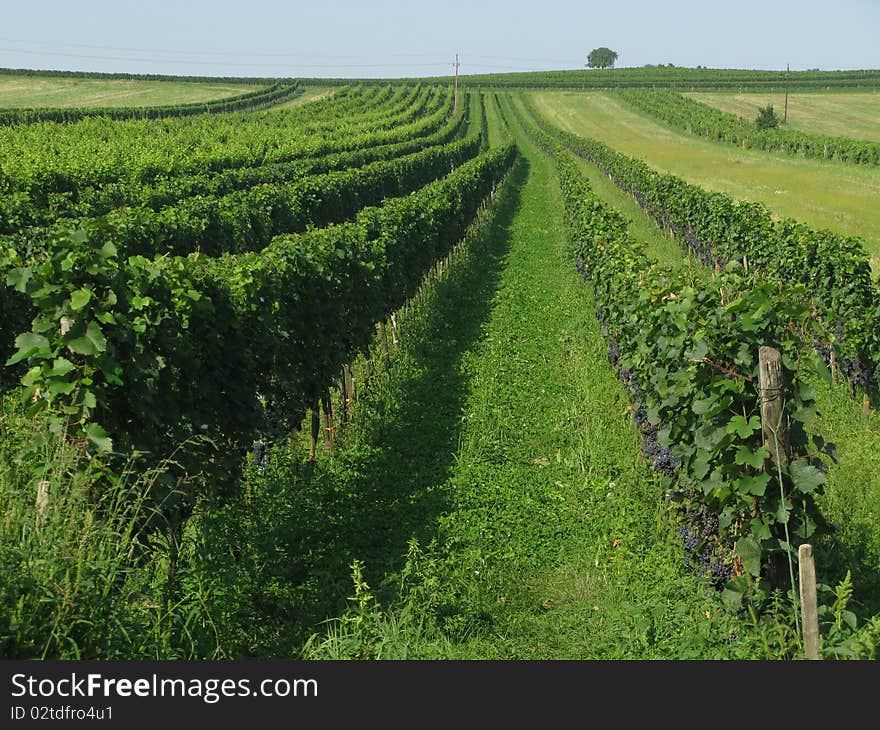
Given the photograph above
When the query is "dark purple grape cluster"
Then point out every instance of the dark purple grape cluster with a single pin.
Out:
(690, 540)
(662, 459)
(261, 455)
(823, 350)
(857, 372)
(703, 551)
(613, 353)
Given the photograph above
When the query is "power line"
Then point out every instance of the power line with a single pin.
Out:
(193, 52)
(217, 63)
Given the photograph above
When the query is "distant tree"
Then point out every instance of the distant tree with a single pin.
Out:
(601, 58)
(767, 118)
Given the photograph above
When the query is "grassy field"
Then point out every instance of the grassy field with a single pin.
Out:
(34, 91)
(830, 195)
(310, 93)
(841, 114)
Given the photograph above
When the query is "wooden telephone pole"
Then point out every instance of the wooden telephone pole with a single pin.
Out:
(787, 73)
(455, 101)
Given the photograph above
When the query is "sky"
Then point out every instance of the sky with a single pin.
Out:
(394, 39)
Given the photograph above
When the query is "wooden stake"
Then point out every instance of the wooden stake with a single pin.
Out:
(809, 610)
(329, 425)
(394, 338)
(316, 429)
(772, 417)
(866, 405)
(42, 502)
(455, 94)
(349, 385)
(343, 397)
(787, 74)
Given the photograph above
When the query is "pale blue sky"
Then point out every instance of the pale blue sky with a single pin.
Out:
(390, 38)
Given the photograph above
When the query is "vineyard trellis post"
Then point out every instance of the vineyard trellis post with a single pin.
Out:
(809, 608)
(455, 92)
(787, 74)
(776, 437)
(315, 430)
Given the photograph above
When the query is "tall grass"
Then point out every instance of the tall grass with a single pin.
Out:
(84, 557)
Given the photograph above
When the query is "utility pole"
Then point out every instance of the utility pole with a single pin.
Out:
(455, 101)
(787, 74)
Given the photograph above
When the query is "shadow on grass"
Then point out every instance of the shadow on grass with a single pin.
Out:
(290, 540)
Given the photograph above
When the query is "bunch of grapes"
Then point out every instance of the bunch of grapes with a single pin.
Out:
(613, 352)
(703, 549)
(857, 372)
(662, 459)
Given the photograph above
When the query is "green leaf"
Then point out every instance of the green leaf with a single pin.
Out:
(760, 529)
(61, 387)
(749, 551)
(18, 278)
(755, 485)
(743, 428)
(92, 342)
(98, 436)
(806, 477)
(82, 346)
(700, 350)
(60, 367)
(712, 483)
(80, 298)
(700, 466)
(31, 341)
(88, 399)
(782, 512)
(805, 415)
(755, 459)
(734, 592)
(821, 369)
(703, 406)
(32, 376)
(28, 343)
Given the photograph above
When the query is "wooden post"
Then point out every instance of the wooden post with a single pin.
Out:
(42, 502)
(349, 385)
(329, 426)
(394, 338)
(866, 405)
(316, 429)
(787, 74)
(772, 416)
(809, 610)
(343, 397)
(455, 93)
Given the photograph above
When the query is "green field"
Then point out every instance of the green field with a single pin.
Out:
(311, 93)
(854, 115)
(34, 91)
(839, 197)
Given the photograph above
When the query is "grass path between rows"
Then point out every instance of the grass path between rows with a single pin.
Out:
(498, 452)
